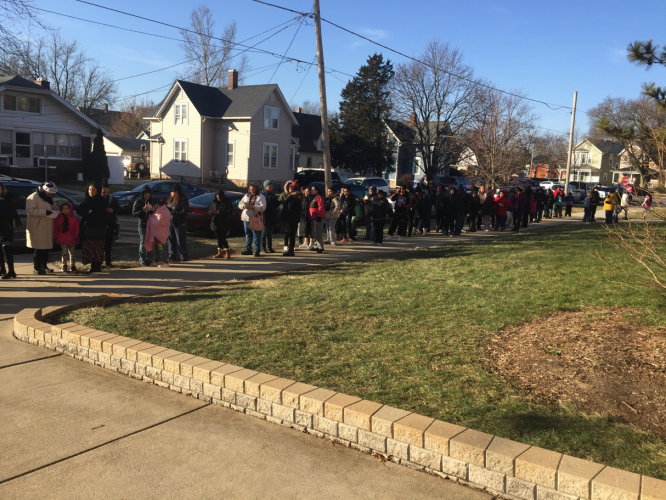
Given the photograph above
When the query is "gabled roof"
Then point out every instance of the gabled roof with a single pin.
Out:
(129, 144)
(604, 147)
(402, 131)
(212, 102)
(307, 132)
(19, 81)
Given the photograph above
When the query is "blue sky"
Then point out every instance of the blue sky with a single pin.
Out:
(547, 49)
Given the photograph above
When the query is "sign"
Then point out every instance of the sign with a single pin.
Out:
(625, 180)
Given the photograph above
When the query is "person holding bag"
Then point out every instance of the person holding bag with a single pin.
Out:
(253, 205)
(41, 211)
(9, 219)
(93, 227)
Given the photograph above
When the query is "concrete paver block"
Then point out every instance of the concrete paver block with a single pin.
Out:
(575, 475)
(245, 401)
(520, 489)
(96, 342)
(371, 440)
(145, 356)
(487, 478)
(439, 434)
(325, 425)
(543, 493)
(187, 367)
(282, 412)
(454, 467)
(502, 453)
(167, 377)
(180, 381)
(264, 406)
(151, 372)
(411, 428)
(235, 380)
(120, 349)
(157, 358)
(653, 489)
(56, 330)
(425, 457)
(302, 418)
(382, 421)
(313, 401)
(172, 363)
(217, 375)
(538, 466)
(212, 390)
(334, 407)
(359, 414)
(202, 372)
(397, 449)
(229, 396)
(272, 391)
(470, 446)
(107, 345)
(616, 484)
(291, 395)
(348, 432)
(253, 384)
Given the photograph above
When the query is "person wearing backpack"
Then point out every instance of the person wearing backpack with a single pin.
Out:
(332, 207)
(269, 217)
(367, 212)
(221, 210)
(559, 202)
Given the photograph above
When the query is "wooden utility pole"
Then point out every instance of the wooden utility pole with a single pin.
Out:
(571, 134)
(322, 99)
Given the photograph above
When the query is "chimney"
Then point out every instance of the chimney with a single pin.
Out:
(106, 108)
(233, 79)
(45, 84)
(298, 109)
(412, 119)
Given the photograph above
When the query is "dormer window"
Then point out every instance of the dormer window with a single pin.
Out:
(271, 118)
(180, 114)
(21, 103)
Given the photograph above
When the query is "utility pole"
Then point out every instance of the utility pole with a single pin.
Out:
(571, 134)
(322, 99)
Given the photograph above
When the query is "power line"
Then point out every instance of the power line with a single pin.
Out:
(287, 51)
(304, 77)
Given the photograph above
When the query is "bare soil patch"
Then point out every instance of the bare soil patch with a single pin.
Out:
(603, 361)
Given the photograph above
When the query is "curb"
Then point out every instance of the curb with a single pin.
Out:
(499, 466)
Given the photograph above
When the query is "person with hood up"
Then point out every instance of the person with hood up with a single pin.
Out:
(269, 217)
(253, 204)
(157, 234)
(8, 220)
(528, 206)
(423, 210)
(220, 211)
(367, 213)
(332, 206)
(292, 206)
(93, 222)
(179, 207)
(610, 203)
(518, 204)
(460, 203)
(558, 195)
(66, 233)
(41, 211)
(142, 208)
(488, 210)
(381, 209)
(317, 214)
(502, 204)
(399, 219)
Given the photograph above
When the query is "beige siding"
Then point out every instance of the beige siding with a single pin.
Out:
(239, 133)
(207, 146)
(191, 132)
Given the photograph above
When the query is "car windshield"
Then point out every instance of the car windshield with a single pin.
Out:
(354, 182)
(204, 199)
(151, 185)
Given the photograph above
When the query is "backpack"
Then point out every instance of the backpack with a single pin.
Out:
(328, 204)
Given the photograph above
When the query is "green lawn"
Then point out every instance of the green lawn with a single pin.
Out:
(406, 330)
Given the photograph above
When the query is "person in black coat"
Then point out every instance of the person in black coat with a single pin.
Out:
(220, 211)
(304, 226)
(440, 201)
(142, 209)
(112, 211)
(93, 227)
(381, 209)
(179, 207)
(528, 204)
(8, 218)
(474, 208)
(423, 211)
(412, 213)
(272, 205)
(347, 208)
(460, 204)
(292, 211)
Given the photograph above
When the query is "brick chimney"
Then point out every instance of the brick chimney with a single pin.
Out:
(412, 119)
(298, 109)
(106, 108)
(45, 84)
(233, 79)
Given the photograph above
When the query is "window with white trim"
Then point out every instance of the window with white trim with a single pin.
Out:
(271, 118)
(180, 150)
(270, 155)
(231, 151)
(180, 114)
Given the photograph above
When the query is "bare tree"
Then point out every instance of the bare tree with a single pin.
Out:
(547, 148)
(210, 59)
(498, 135)
(130, 121)
(310, 108)
(437, 97)
(15, 14)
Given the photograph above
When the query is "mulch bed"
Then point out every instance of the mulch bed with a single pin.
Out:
(603, 361)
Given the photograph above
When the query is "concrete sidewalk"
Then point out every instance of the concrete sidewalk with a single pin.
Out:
(73, 430)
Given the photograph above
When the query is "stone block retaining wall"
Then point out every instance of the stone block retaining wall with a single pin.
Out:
(499, 466)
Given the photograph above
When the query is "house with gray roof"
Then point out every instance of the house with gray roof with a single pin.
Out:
(594, 161)
(242, 134)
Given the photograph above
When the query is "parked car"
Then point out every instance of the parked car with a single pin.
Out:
(161, 191)
(583, 187)
(136, 165)
(366, 183)
(452, 182)
(604, 190)
(6, 178)
(19, 191)
(306, 177)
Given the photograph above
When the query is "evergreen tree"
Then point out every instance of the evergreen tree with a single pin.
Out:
(360, 139)
(96, 167)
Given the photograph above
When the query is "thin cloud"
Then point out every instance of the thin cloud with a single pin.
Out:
(375, 34)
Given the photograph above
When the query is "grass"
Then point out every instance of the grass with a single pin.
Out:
(407, 331)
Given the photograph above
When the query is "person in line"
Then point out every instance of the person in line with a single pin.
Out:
(587, 216)
(9, 219)
(528, 205)
(93, 224)
(112, 225)
(487, 211)
(533, 208)
(596, 201)
(157, 234)
(367, 213)
(440, 202)
(411, 211)
(66, 234)
(482, 198)
(332, 206)
(518, 204)
(423, 210)
(509, 211)
(461, 204)
(610, 203)
(41, 211)
(550, 203)
(624, 204)
(502, 204)
(356, 218)
(304, 226)
(269, 217)
(292, 206)
(540, 204)
(451, 212)
(347, 211)
(179, 206)
(221, 211)
(253, 204)
(317, 214)
(647, 205)
(142, 209)
(381, 209)
(474, 208)
(559, 202)
(399, 219)
(569, 200)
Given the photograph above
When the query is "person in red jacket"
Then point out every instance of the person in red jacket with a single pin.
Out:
(317, 214)
(501, 205)
(66, 234)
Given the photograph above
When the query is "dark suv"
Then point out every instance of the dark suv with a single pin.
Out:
(307, 177)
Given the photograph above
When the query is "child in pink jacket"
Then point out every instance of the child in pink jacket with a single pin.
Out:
(66, 234)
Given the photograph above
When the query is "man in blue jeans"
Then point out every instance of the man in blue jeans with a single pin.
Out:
(142, 209)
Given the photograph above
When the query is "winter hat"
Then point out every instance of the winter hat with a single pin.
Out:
(293, 187)
(267, 183)
(177, 189)
(50, 187)
(146, 189)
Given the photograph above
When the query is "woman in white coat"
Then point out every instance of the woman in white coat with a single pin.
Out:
(41, 211)
(252, 204)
